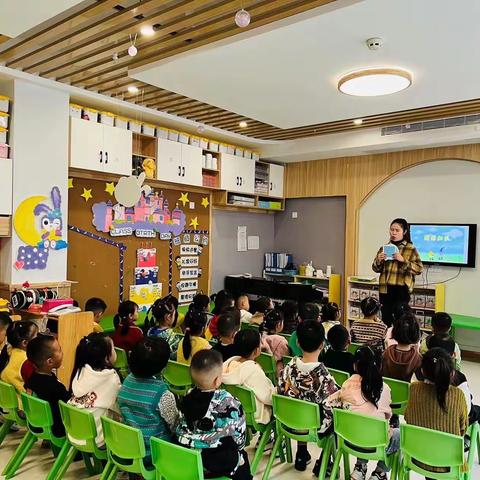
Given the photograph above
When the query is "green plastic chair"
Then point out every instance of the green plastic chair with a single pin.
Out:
(269, 366)
(80, 425)
(400, 394)
(39, 427)
(286, 359)
(423, 447)
(364, 437)
(353, 347)
(177, 375)
(286, 335)
(339, 376)
(121, 364)
(11, 413)
(297, 420)
(125, 450)
(247, 399)
(166, 457)
(474, 431)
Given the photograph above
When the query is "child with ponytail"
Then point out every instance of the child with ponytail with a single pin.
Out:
(95, 383)
(192, 342)
(330, 316)
(435, 403)
(161, 324)
(126, 334)
(270, 328)
(5, 322)
(369, 330)
(366, 393)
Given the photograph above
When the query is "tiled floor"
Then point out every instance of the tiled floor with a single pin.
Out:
(37, 464)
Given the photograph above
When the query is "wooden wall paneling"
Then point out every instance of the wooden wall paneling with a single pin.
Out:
(357, 178)
(95, 265)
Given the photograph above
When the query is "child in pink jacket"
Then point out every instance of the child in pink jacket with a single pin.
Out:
(366, 393)
(270, 328)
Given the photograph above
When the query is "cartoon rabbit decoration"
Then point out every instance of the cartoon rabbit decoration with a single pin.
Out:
(51, 222)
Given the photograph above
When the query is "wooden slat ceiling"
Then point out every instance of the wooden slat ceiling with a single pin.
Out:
(78, 47)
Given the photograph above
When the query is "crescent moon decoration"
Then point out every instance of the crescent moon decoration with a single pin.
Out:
(24, 220)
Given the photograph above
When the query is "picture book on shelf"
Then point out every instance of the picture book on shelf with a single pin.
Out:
(419, 301)
(354, 294)
(354, 313)
(430, 302)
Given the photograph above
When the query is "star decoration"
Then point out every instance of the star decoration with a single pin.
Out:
(87, 194)
(184, 198)
(110, 188)
(205, 202)
(70, 183)
(194, 223)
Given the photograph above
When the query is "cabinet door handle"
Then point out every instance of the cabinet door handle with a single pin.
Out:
(101, 156)
(179, 171)
(241, 181)
(238, 181)
(106, 158)
(183, 174)
(271, 186)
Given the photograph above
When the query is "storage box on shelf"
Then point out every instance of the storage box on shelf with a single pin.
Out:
(4, 104)
(425, 300)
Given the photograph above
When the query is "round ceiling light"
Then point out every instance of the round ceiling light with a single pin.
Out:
(374, 82)
(147, 31)
(243, 124)
(242, 18)
(132, 89)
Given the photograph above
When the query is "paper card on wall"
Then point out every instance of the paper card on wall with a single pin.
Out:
(205, 240)
(146, 275)
(196, 238)
(189, 273)
(242, 238)
(187, 285)
(165, 236)
(189, 261)
(121, 231)
(145, 295)
(189, 250)
(177, 241)
(186, 297)
(253, 243)
(143, 233)
(186, 238)
(146, 257)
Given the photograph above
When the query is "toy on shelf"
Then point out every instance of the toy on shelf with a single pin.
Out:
(149, 167)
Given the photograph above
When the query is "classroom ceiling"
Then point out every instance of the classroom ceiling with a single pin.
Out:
(279, 74)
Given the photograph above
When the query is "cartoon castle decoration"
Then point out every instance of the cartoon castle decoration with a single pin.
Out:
(153, 209)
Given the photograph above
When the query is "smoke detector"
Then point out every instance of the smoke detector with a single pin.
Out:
(374, 43)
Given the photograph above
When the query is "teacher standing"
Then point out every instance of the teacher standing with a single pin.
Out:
(397, 276)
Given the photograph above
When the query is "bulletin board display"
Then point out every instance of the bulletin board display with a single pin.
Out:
(156, 244)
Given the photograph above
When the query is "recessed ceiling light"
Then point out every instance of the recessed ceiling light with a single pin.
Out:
(132, 89)
(147, 31)
(243, 124)
(242, 18)
(374, 82)
(358, 121)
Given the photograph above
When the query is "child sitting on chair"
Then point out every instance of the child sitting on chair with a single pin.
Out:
(98, 307)
(243, 370)
(365, 393)
(126, 334)
(369, 330)
(46, 354)
(144, 399)
(307, 311)
(243, 304)
(308, 379)
(213, 421)
(337, 356)
(193, 341)
(270, 328)
(228, 325)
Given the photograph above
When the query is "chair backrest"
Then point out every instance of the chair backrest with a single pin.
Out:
(400, 394)
(247, 398)
(9, 403)
(79, 424)
(361, 435)
(286, 359)
(167, 457)
(353, 347)
(339, 376)
(444, 450)
(297, 419)
(178, 377)
(286, 335)
(269, 365)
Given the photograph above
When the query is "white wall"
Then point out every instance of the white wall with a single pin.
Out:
(441, 191)
(40, 161)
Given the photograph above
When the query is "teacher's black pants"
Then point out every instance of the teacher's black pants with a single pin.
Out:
(395, 295)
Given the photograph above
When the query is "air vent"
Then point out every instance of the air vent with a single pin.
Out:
(432, 124)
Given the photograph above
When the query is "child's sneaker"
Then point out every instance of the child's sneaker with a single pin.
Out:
(378, 475)
(359, 472)
(302, 459)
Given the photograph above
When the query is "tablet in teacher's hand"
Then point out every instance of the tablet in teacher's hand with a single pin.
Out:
(389, 250)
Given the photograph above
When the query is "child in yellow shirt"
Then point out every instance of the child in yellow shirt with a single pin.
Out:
(192, 342)
(98, 307)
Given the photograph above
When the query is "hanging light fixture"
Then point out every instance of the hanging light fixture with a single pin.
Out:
(242, 18)
(132, 49)
(374, 82)
(132, 89)
(243, 124)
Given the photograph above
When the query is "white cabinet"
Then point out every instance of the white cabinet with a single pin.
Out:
(275, 180)
(179, 163)
(238, 174)
(94, 146)
(5, 186)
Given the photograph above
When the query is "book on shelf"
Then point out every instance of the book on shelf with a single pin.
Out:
(364, 294)
(430, 301)
(375, 294)
(419, 300)
(427, 322)
(354, 313)
(419, 315)
(277, 262)
(354, 294)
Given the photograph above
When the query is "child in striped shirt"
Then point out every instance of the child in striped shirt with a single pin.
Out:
(369, 330)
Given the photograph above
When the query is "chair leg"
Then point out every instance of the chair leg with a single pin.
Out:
(97, 465)
(20, 453)
(288, 450)
(260, 449)
(326, 450)
(5, 428)
(88, 464)
(346, 465)
(62, 462)
(336, 466)
(273, 455)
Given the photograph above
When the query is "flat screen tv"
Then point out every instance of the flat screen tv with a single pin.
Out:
(445, 243)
